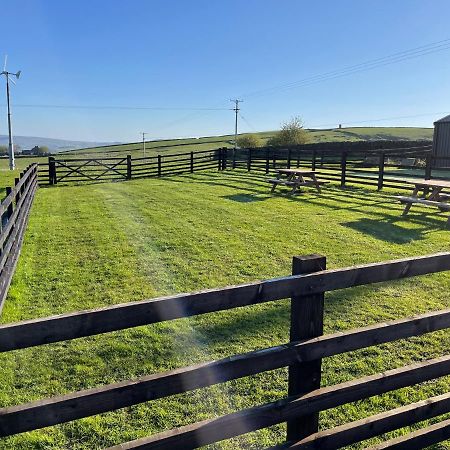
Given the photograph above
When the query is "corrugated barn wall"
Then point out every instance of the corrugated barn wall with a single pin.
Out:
(441, 142)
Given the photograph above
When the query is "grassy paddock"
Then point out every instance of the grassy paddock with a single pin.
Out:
(7, 176)
(206, 143)
(101, 244)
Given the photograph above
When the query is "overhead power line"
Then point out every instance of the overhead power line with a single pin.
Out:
(361, 67)
(119, 107)
(247, 122)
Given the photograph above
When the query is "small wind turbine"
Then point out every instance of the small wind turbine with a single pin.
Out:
(12, 163)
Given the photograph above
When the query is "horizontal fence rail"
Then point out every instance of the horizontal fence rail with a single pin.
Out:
(14, 212)
(252, 419)
(310, 280)
(373, 426)
(119, 317)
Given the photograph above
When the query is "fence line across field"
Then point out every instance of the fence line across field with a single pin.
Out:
(346, 165)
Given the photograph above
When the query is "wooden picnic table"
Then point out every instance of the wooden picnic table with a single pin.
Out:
(295, 178)
(428, 193)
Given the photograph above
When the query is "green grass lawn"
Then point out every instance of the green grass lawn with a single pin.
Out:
(102, 244)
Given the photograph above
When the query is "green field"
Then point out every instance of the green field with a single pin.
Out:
(213, 142)
(206, 143)
(96, 245)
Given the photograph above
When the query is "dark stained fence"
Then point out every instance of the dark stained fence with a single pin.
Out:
(76, 170)
(14, 211)
(380, 168)
(306, 287)
(174, 164)
(89, 169)
(377, 163)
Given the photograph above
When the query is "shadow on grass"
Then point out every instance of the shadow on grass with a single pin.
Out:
(387, 230)
(381, 210)
(274, 318)
(246, 198)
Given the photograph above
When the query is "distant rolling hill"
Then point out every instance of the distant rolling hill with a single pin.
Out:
(211, 142)
(54, 145)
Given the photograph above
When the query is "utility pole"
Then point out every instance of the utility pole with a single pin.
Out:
(236, 110)
(12, 163)
(143, 142)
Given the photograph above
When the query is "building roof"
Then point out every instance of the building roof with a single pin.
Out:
(445, 119)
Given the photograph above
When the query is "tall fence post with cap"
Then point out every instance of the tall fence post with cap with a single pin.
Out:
(159, 166)
(306, 323)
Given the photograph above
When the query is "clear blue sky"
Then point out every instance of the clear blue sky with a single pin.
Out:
(201, 53)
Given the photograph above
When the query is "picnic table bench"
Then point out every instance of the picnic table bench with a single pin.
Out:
(427, 193)
(296, 178)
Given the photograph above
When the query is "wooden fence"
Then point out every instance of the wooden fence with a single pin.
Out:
(373, 167)
(303, 354)
(65, 170)
(366, 164)
(14, 211)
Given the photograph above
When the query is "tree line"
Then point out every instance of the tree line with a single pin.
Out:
(37, 150)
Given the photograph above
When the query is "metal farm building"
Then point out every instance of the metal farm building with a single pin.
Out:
(441, 142)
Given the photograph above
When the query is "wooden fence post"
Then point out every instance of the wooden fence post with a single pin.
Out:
(249, 160)
(267, 161)
(306, 322)
(289, 158)
(19, 192)
(224, 158)
(192, 162)
(219, 159)
(10, 210)
(381, 171)
(234, 159)
(22, 188)
(129, 167)
(159, 166)
(313, 162)
(51, 170)
(274, 160)
(298, 158)
(428, 166)
(343, 168)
